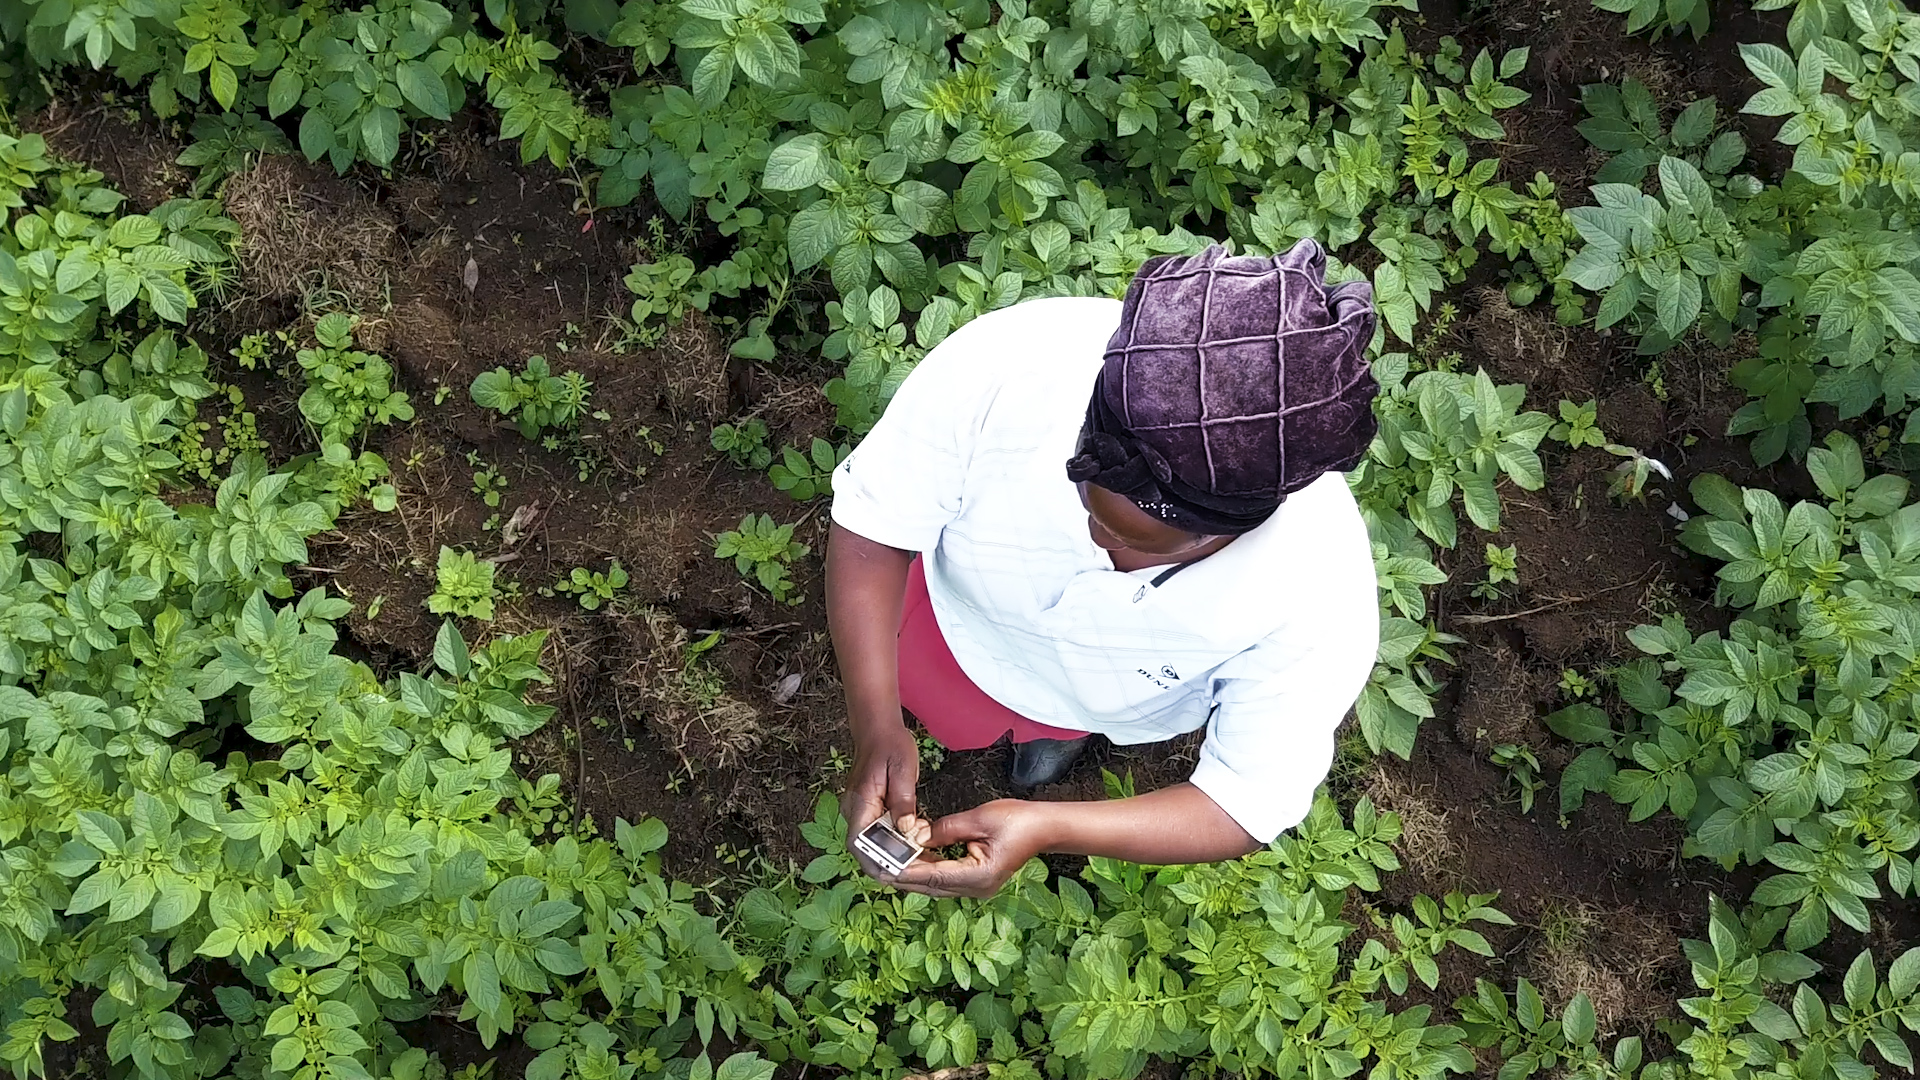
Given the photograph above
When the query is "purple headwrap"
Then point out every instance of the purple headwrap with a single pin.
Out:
(1232, 382)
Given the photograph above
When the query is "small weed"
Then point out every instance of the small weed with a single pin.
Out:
(487, 482)
(805, 476)
(1575, 685)
(932, 754)
(744, 443)
(464, 586)
(1565, 926)
(1427, 353)
(762, 551)
(697, 677)
(1630, 477)
(255, 351)
(1503, 567)
(1523, 772)
(591, 587)
(1577, 427)
(534, 398)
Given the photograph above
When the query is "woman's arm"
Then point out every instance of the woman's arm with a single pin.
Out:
(1179, 824)
(866, 582)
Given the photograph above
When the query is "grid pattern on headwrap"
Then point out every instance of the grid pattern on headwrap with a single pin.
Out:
(1247, 374)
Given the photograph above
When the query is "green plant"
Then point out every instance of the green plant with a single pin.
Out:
(1503, 566)
(744, 443)
(591, 587)
(661, 291)
(488, 483)
(1630, 477)
(1523, 772)
(1442, 433)
(932, 754)
(1659, 261)
(1575, 685)
(806, 476)
(346, 389)
(1577, 426)
(761, 550)
(1625, 122)
(1814, 590)
(534, 398)
(463, 586)
(1660, 15)
(255, 351)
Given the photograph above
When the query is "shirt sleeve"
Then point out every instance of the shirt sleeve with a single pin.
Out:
(902, 485)
(1276, 706)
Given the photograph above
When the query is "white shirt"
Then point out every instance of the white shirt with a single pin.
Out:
(1267, 642)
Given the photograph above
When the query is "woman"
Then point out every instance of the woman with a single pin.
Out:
(1130, 519)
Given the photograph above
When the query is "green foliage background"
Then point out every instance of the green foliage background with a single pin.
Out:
(375, 855)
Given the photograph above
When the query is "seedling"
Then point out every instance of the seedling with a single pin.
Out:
(255, 351)
(661, 293)
(932, 754)
(463, 586)
(489, 485)
(1577, 427)
(1503, 567)
(534, 398)
(1630, 477)
(1523, 772)
(744, 443)
(761, 550)
(591, 587)
(346, 389)
(804, 476)
(1575, 685)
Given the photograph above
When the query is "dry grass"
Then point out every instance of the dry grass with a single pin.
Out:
(307, 237)
(685, 701)
(793, 405)
(1581, 949)
(693, 369)
(1425, 843)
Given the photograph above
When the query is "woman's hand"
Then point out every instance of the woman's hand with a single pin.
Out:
(883, 783)
(1000, 837)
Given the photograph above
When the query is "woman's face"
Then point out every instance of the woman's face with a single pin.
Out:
(1117, 524)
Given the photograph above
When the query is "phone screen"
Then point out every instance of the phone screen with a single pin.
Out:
(889, 841)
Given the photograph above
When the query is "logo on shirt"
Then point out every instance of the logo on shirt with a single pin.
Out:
(1166, 670)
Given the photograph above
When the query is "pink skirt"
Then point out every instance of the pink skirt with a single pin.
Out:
(958, 714)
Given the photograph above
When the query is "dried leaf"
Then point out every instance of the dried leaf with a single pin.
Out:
(784, 690)
(470, 277)
(520, 524)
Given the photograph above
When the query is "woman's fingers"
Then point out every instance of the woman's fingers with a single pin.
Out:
(903, 777)
(919, 830)
(968, 825)
(972, 876)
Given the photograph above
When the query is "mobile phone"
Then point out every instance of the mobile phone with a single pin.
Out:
(883, 843)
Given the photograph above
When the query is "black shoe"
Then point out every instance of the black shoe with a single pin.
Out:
(1044, 761)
